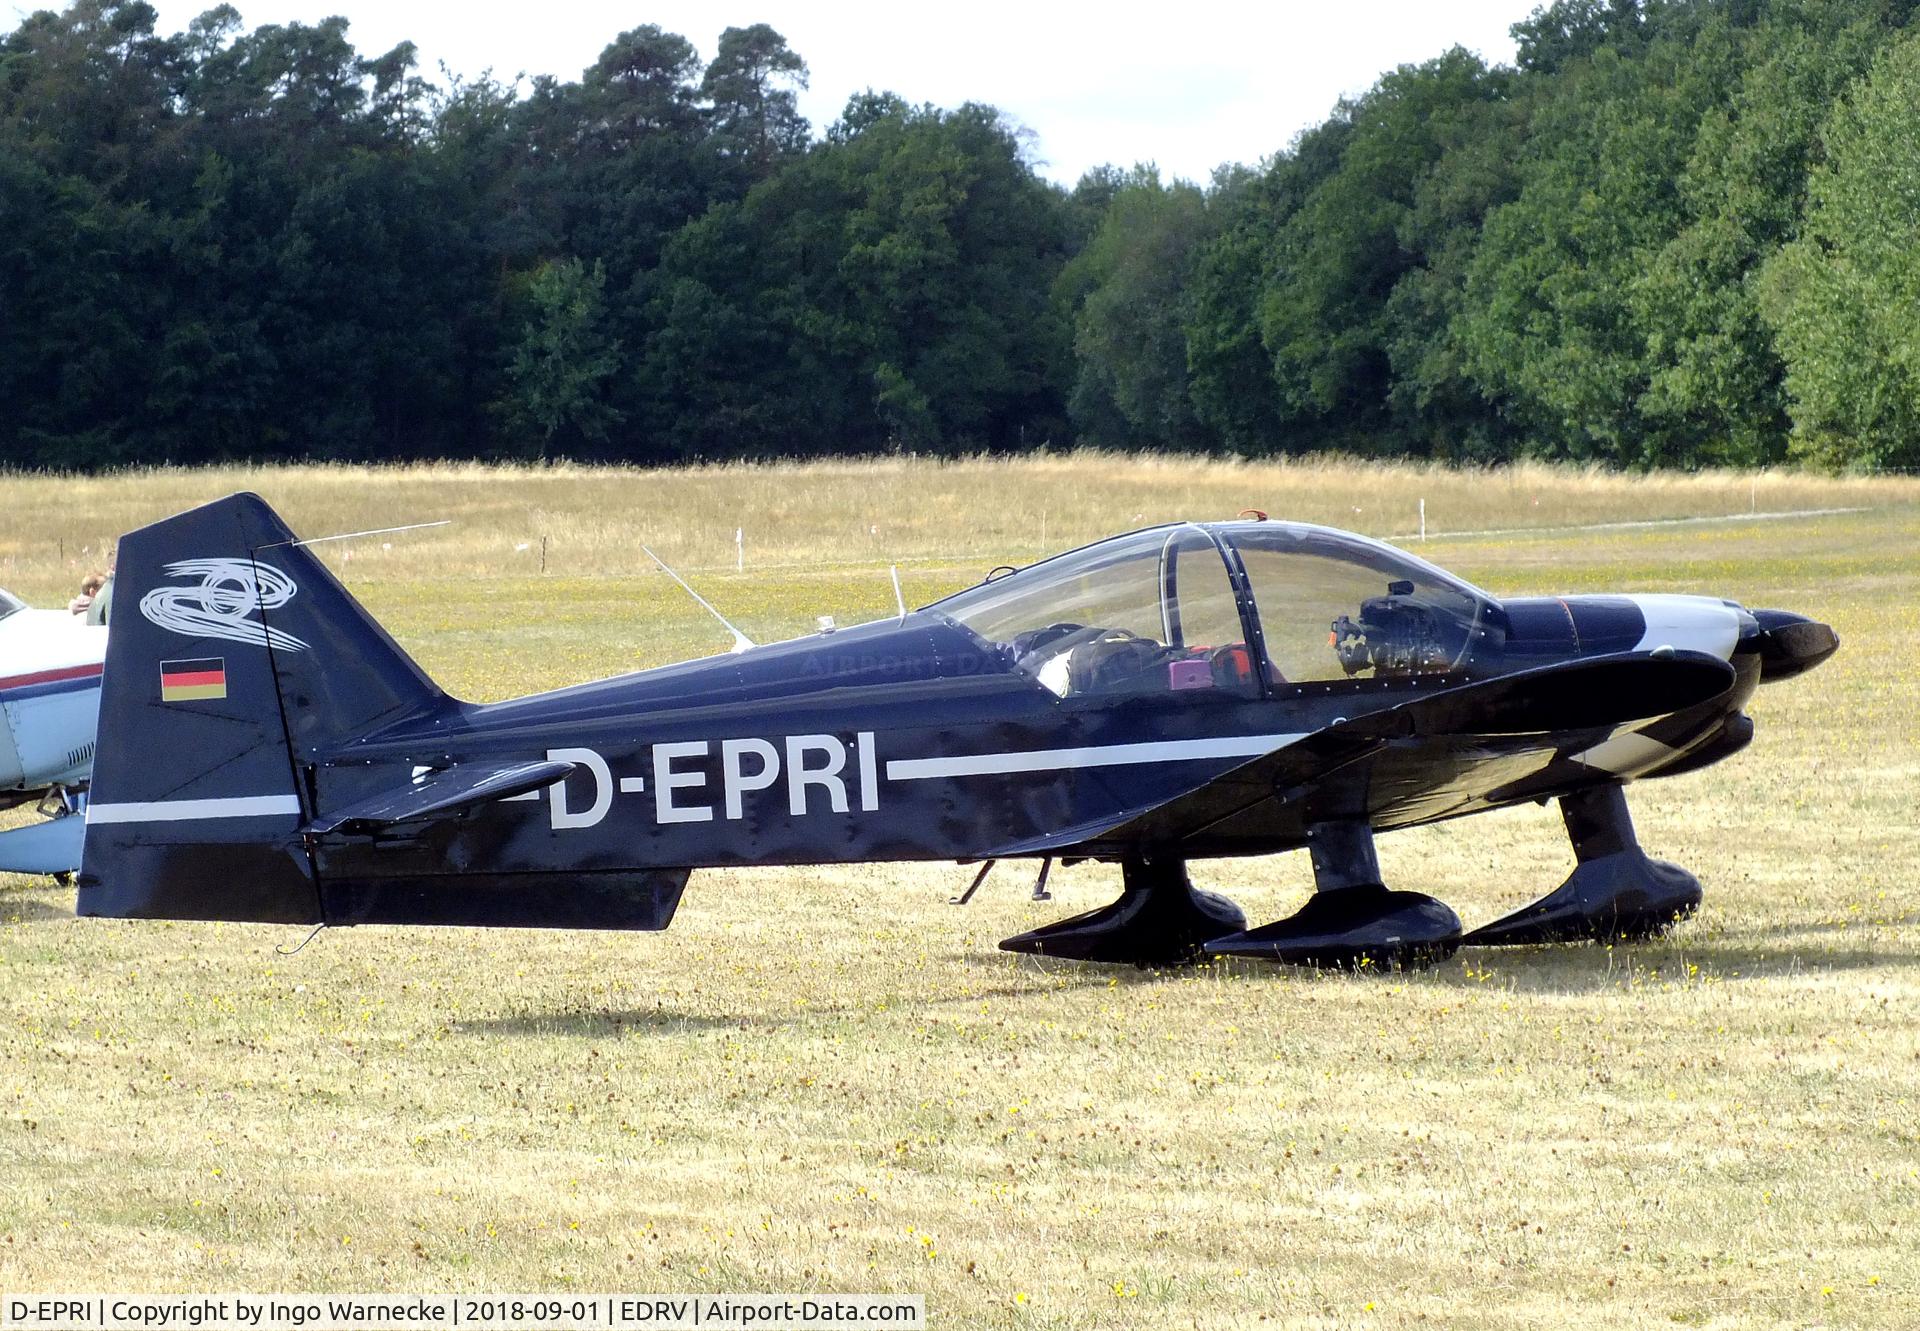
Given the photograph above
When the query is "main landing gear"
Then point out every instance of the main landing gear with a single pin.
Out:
(1354, 921)
(1161, 919)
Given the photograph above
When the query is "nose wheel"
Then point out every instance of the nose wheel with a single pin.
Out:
(1616, 892)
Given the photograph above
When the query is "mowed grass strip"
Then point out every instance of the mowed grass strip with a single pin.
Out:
(829, 1079)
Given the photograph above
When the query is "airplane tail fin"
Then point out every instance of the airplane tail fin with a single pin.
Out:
(234, 654)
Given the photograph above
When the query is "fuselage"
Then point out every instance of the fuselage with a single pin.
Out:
(50, 666)
(949, 734)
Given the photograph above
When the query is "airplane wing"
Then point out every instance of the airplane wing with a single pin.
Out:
(1365, 767)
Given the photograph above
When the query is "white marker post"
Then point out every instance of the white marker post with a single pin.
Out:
(739, 549)
(1423, 519)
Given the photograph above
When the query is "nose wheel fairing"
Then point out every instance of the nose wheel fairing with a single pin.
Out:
(1615, 891)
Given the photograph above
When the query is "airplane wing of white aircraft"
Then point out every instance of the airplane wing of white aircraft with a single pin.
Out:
(50, 665)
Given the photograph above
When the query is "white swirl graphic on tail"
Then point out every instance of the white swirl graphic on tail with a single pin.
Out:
(222, 605)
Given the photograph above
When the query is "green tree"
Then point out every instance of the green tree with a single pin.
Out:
(888, 289)
(231, 242)
(750, 87)
(1089, 200)
(1230, 371)
(1715, 377)
(1845, 296)
(616, 163)
(1558, 34)
(558, 374)
(1326, 310)
(1551, 322)
(1125, 296)
(87, 128)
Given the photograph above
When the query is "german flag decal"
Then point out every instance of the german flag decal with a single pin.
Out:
(193, 681)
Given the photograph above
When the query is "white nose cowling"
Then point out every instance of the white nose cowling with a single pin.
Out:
(1689, 624)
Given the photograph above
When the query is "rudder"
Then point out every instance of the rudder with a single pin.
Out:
(234, 653)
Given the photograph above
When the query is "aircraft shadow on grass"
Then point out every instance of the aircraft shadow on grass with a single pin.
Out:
(1536, 969)
(1724, 961)
(29, 908)
(603, 1023)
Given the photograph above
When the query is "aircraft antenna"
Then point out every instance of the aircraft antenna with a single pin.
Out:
(898, 599)
(741, 642)
(285, 951)
(377, 531)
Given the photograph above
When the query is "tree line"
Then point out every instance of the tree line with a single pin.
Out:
(1672, 232)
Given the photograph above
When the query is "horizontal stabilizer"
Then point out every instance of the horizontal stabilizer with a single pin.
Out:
(49, 847)
(443, 791)
(570, 899)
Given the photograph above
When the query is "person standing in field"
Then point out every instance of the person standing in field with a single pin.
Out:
(82, 604)
(101, 604)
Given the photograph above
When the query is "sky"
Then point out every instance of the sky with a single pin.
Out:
(1184, 85)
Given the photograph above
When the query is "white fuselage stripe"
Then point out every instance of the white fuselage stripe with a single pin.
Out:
(1105, 755)
(177, 811)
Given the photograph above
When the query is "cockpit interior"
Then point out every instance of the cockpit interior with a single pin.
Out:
(1224, 610)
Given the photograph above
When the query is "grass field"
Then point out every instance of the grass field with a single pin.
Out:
(831, 1080)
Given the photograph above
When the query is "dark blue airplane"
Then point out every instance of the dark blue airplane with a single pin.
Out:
(1192, 690)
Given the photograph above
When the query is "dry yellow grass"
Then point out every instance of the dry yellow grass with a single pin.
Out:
(828, 1079)
(853, 513)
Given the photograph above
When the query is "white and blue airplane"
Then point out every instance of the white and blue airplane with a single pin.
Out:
(50, 663)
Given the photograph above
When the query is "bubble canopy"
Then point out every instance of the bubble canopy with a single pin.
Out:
(1225, 610)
